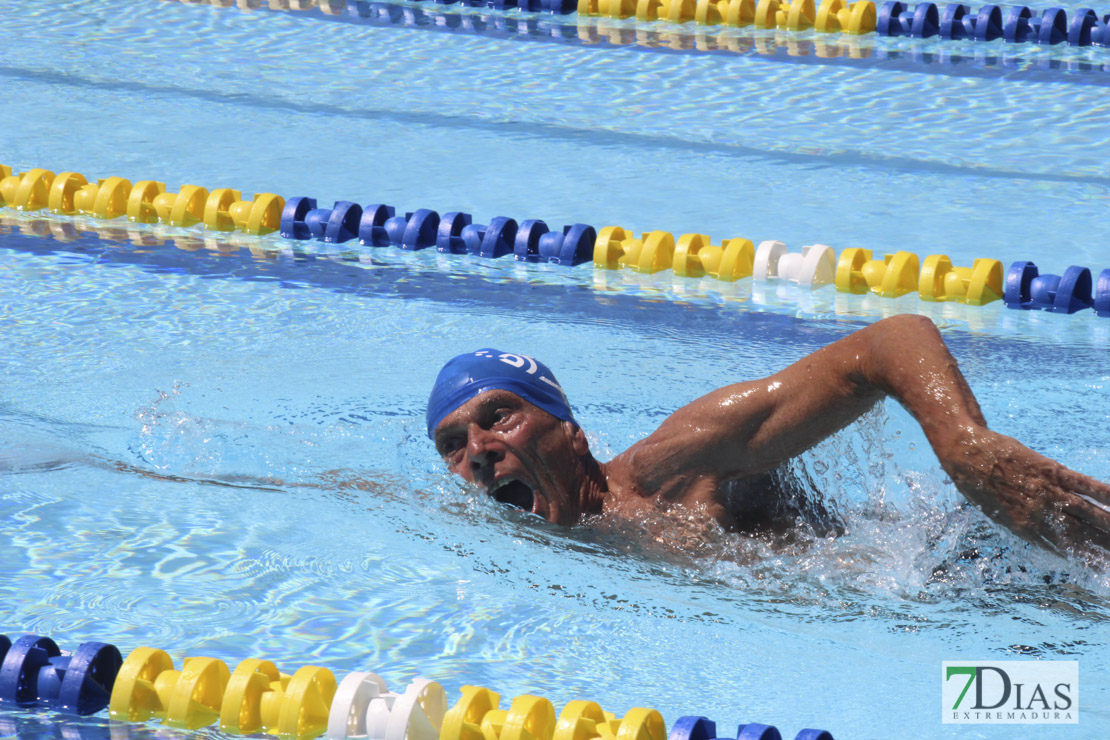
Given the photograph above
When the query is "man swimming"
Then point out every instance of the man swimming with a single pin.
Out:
(502, 422)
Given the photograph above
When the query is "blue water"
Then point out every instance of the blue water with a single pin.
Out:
(721, 144)
(215, 363)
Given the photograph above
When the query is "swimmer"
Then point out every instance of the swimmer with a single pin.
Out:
(503, 423)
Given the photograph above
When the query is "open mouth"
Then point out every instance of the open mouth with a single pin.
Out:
(514, 493)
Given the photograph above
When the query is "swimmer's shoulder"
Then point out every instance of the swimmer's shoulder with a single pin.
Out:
(653, 477)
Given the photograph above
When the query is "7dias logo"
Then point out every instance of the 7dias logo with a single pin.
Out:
(1010, 692)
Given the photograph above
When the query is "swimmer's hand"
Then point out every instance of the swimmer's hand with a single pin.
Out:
(1036, 497)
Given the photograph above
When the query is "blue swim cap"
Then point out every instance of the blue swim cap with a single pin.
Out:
(465, 376)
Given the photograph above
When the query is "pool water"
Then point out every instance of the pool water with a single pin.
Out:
(185, 425)
(724, 145)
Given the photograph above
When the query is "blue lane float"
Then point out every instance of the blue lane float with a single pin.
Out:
(536, 243)
(25, 660)
(960, 22)
(492, 241)
(1027, 289)
(449, 236)
(1102, 294)
(34, 673)
(701, 728)
(1018, 24)
(301, 219)
(1088, 29)
(555, 7)
(895, 19)
(381, 227)
(1022, 25)
(529, 241)
(458, 234)
(378, 225)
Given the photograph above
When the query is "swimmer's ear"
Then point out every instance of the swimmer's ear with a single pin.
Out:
(579, 443)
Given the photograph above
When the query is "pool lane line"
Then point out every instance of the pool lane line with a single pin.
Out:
(951, 21)
(955, 60)
(310, 702)
(858, 271)
(524, 290)
(855, 270)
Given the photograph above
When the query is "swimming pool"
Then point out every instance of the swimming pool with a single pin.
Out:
(208, 360)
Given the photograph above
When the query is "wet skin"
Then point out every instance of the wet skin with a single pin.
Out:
(731, 438)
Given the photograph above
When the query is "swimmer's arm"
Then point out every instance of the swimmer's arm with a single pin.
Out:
(747, 428)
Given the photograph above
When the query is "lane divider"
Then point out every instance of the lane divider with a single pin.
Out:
(823, 48)
(258, 698)
(453, 233)
(953, 21)
(856, 270)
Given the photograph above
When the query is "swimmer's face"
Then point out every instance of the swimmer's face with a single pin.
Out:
(517, 453)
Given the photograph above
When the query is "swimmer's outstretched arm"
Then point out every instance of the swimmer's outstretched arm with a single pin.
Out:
(747, 428)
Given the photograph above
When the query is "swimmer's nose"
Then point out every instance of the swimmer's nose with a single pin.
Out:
(483, 451)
